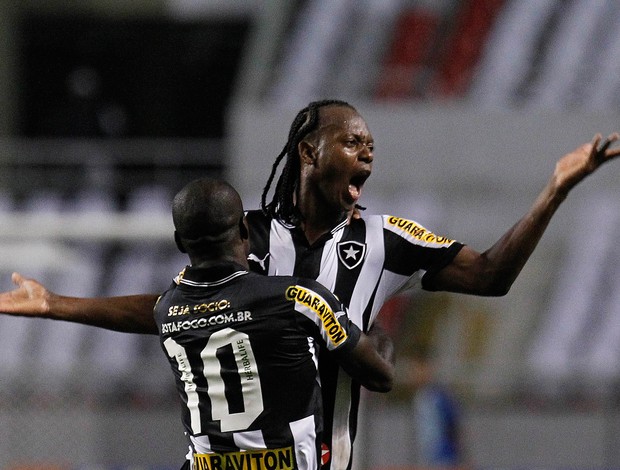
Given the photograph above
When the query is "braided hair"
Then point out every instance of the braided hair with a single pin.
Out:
(282, 205)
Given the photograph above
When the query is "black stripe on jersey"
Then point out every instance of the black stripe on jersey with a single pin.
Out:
(328, 371)
(347, 278)
(222, 442)
(307, 258)
(259, 241)
(231, 377)
(355, 402)
(368, 310)
(275, 440)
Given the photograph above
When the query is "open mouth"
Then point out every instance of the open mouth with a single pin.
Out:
(356, 183)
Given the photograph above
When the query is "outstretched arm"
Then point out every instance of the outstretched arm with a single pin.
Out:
(494, 271)
(130, 314)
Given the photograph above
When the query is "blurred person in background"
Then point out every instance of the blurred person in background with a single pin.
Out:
(311, 228)
(243, 347)
(435, 416)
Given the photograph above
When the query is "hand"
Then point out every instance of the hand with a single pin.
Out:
(576, 165)
(382, 342)
(30, 298)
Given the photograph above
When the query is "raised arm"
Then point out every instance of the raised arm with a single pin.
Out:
(130, 314)
(493, 272)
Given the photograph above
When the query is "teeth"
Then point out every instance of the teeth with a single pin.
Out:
(354, 190)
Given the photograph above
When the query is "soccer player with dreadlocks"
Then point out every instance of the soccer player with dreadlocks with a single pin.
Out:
(313, 228)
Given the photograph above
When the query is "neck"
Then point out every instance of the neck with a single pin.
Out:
(320, 220)
(318, 215)
(237, 255)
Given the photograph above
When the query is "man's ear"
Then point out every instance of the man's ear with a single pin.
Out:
(307, 152)
(177, 240)
(244, 231)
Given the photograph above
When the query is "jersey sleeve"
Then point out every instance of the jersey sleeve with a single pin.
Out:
(412, 249)
(322, 315)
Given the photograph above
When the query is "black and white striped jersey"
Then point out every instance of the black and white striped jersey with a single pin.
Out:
(363, 263)
(243, 349)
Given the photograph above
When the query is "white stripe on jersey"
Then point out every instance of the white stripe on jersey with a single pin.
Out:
(341, 434)
(249, 440)
(281, 250)
(313, 352)
(406, 283)
(304, 436)
(329, 262)
(202, 444)
(244, 440)
(369, 275)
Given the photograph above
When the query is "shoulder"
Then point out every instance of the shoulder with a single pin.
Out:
(312, 284)
(308, 293)
(305, 296)
(260, 228)
(382, 220)
(273, 285)
(257, 217)
(254, 213)
(400, 226)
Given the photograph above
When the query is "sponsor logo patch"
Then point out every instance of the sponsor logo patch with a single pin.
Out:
(268, 459)
(417, 231)
(315, 302)
(210, 307)
(198, 323)
(351, 253)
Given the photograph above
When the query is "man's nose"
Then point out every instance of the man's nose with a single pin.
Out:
(366, 154)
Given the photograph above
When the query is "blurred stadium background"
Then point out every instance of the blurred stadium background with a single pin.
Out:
(109, 107)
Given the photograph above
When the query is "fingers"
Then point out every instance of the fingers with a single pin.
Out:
(17, 279)
(601, 152)
(612, 138)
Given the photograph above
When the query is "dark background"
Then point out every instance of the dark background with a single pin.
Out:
(88, 77)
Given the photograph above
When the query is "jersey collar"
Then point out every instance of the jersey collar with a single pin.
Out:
(211, 276)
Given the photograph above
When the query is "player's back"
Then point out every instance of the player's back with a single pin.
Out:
(245, 364)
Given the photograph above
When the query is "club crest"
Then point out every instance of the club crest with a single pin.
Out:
(351, 253)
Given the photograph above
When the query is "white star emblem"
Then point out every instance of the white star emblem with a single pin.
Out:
(351, 253)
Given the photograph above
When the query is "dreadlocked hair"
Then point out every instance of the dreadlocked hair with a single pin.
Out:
(282, 206)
